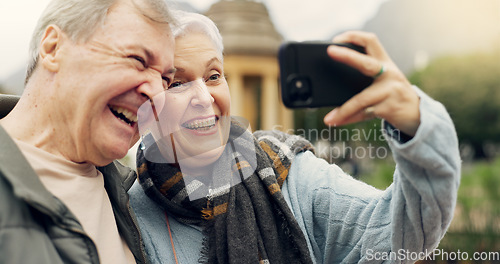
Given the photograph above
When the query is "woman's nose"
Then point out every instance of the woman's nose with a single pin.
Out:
(202, 96)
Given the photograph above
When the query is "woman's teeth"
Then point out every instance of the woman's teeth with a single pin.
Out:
(205, 124)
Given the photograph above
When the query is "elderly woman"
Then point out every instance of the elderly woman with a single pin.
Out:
(212, 192)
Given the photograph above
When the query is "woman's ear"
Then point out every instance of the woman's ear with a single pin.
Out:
(49, 46)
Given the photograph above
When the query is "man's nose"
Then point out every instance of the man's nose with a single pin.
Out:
(152, 86)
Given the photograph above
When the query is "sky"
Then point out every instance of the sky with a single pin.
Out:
(295, 19)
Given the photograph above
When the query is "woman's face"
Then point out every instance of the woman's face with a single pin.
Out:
(196, 106)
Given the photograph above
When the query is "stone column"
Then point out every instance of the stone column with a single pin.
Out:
(270, 102)
(235, 82)
(286, 118)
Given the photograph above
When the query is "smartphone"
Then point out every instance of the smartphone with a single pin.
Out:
(310, 78)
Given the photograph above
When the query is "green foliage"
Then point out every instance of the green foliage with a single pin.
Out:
(469, 87)
(366, 132)
(476, 226)
(382, 174)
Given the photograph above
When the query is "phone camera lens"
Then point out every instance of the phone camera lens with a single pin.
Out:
(300, 89)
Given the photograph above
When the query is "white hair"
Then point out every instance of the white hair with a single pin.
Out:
(189, 22)
(79, 19)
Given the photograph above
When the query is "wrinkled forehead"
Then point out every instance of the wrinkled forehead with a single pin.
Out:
(125, 23)
(127, 32)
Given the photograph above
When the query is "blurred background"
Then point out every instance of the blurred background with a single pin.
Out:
(449, 48)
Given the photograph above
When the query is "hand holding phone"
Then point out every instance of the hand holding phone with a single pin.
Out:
(310, 78)
(323, 74)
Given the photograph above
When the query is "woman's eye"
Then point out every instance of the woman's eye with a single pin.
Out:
(214, 77)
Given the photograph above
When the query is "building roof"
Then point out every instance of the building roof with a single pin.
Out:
(246, 27)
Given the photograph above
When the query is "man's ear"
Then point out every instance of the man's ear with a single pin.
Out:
(49, 47)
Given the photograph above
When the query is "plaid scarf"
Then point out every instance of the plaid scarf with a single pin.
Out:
(244, 215)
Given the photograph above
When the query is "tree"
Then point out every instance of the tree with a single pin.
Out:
(469, 87)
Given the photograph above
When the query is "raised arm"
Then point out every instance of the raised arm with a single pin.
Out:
(348, 221)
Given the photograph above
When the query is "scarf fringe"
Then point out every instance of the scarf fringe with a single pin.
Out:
(207, 251)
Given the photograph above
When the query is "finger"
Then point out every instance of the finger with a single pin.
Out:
(369, 41)
(355, 118)
(354, 109)
(365, 64)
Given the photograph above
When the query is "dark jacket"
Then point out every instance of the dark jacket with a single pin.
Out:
(36, 227)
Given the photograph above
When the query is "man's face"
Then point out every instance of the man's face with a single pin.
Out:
(101, 83)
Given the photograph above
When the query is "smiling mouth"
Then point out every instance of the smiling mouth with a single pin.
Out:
(201, 124)
(124, 115)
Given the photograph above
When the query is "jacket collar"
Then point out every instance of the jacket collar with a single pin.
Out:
(25, 182)
(27, 185)
(118, 179)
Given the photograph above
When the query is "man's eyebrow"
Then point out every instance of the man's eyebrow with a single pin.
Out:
(151, 58)
(149, 54)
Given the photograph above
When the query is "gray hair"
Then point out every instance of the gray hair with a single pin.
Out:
(79, 19)
(189, 22)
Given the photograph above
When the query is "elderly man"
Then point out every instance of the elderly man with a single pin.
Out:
(62, 200)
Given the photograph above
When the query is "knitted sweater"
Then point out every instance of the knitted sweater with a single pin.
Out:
(343, 219)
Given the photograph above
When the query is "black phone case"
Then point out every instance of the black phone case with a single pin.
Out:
(310, 78)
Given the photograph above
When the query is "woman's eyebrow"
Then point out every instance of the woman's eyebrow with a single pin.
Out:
(179, 69)
(209, 62)
(212, 60)
(172, 71)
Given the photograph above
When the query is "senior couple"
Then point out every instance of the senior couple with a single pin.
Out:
(207, 190)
